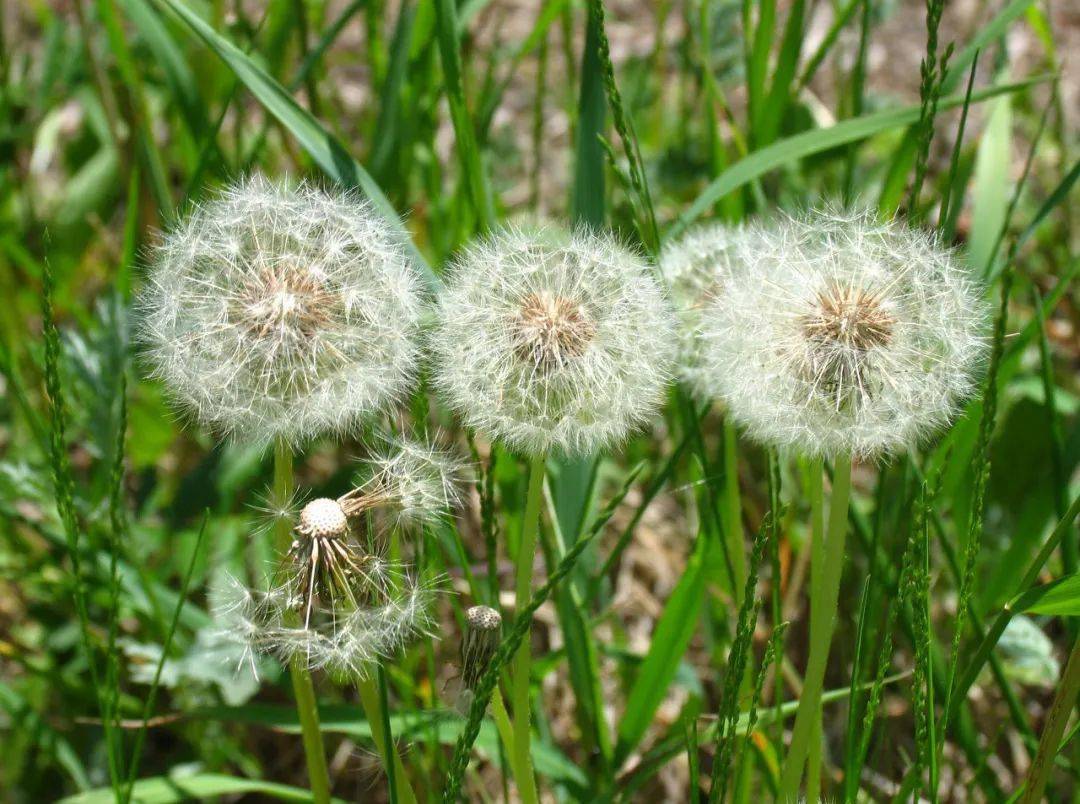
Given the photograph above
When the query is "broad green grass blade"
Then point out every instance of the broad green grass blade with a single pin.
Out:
(467, 150)
(1060, 598)
(811, 142)
(179, 787)
(669, 640)
(581, 649)
(327, 152)
(990, 189)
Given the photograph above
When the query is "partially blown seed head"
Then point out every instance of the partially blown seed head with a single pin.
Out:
(696, 268)
(277, 312)
(417, 482)
(550, 340)
(335, 604)
(845, 335)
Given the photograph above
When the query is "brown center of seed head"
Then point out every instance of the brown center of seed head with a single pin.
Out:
(551, 330)
(849, 317)
(285, 303)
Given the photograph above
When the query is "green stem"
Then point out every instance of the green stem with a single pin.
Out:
(822, 621)
(732, 511)
(522, 758)
(303, 689)
(371, 702)
(502, 722)
(817, 563)
(1050, 742)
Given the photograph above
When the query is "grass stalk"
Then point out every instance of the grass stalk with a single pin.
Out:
(530, 525)
(1056, 720)
(822, 621)
(377, 717)
(303, 689)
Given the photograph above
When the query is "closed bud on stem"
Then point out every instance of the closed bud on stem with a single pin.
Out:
(483, 632)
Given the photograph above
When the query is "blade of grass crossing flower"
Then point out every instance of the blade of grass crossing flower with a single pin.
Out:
(327, 152)
(151, 697)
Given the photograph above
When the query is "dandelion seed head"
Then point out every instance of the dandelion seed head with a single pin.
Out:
(342, 640)
(281, 312)
(696, 267)
(552, 340)
(417, 482)
(845, 334)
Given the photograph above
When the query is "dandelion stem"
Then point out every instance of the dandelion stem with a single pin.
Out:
(371, 702)
(732, 510)
(303, 689)
(822, 620)
(522, 760)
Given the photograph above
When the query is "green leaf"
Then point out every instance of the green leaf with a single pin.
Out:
(418, 725)
(179, 786)
(802, 145)
(669, 640)
(990, 194)
(1060, 598)
(327, 152)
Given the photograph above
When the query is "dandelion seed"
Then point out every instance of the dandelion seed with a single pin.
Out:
(549, 340)
(696, 268)
(273, 312)
(845, 335)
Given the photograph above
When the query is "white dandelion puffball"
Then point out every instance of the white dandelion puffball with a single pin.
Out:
(696, 267)
(278, 312)
(550, 340)
(845, 335)
(416, 482)
(342, 641)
